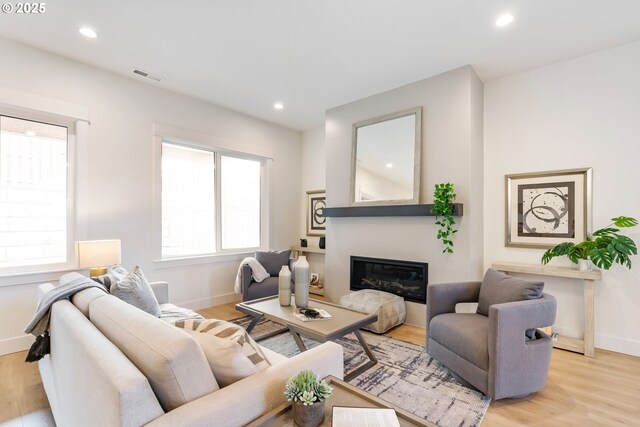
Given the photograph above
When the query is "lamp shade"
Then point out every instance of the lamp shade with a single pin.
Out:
(98, 253)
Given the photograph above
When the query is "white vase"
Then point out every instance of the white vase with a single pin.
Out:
(585, 265)
(302, 282)
(284, 286)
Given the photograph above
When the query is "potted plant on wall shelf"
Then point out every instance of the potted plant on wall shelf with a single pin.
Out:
(603, 247)
(443, 198)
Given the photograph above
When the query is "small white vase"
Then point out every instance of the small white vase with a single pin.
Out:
(585, 265)
(284, 286)
(302, 282)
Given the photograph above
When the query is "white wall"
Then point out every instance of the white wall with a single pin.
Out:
(312, 178)
(451, 152)
(116, 173)
(579, 113)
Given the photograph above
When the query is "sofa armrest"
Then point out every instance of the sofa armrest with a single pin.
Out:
(246, 278)
(43, 289)
(161, 291)
(443, 297)
(512, 358)
(247, 399)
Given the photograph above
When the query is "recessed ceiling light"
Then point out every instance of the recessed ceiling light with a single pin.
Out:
(88, 32)
(278, 106)
(389, 165)
(504, 20)
(30, 133)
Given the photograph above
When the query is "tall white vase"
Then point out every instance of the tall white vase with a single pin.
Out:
(302, 282)
(284, 286)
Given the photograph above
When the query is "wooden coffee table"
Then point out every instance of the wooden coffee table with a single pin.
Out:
(344, 394)
(344, 321)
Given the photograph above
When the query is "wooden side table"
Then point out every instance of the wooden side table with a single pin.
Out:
(586, 345)
(344, 394)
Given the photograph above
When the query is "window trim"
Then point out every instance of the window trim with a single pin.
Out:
(199, 141)
(26, 271)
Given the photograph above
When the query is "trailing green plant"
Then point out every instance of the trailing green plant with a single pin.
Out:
(603, 247)
(443, 198)
(307, 388)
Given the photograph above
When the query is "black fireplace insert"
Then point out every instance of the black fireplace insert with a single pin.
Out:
(407, 279)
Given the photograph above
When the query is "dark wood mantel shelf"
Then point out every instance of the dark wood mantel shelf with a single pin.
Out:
(389, 210)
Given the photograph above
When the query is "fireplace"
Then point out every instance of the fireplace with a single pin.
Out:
(407, 279)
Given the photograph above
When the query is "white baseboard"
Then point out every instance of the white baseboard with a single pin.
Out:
(617, 344)
(606, 342)
(15, 344)
(210, 301)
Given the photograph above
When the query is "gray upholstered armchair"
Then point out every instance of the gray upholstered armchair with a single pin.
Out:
(272, 261)
(494, 353)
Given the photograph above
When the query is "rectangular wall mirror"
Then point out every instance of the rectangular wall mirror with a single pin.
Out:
(385, 168)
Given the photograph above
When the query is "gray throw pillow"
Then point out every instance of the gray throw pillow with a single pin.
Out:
(135, 290)
(498, 288)
(115, 274)
(272, 261)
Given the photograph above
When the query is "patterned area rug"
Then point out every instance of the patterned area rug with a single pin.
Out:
(405, 376)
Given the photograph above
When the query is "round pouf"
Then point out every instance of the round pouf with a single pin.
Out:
(390, 308)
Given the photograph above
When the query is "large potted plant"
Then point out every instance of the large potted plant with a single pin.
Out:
(307, 392)
(603, 247)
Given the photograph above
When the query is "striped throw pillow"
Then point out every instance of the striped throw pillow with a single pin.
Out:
(231, 332)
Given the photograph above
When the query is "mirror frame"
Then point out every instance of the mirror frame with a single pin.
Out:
(416, 157)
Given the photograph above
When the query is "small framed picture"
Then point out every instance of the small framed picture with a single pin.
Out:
(316, 202)
(314, 280)
(544, 209)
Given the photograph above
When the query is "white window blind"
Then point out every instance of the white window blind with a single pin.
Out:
(240, 202)
(33, 193)
(211, 201)
(188, 201)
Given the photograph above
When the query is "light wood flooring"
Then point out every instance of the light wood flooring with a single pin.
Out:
(580, 391)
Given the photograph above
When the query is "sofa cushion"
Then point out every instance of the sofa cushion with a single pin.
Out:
(272, 261)
(84, 298)
(171, 313)
(135, 290)
(465, 334)
(499, 288)
(171, 360)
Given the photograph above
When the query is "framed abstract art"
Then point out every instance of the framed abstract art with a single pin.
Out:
(316, 202)
(547, 208)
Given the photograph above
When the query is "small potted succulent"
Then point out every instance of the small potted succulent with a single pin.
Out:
(603, 247)
(307, 392)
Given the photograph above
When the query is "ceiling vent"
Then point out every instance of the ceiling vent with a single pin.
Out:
(147, 75)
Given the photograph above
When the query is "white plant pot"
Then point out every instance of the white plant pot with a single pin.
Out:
(585, 265)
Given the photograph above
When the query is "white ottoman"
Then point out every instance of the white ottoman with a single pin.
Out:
(390, 308)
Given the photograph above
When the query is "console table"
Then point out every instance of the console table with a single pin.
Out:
(586, 345)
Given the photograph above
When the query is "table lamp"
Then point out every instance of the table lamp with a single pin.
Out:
(97, 255)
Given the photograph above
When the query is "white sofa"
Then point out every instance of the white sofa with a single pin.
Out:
(111, 364)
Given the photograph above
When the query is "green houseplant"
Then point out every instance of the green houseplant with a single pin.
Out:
(307, 392)
(443, 198)
(603, 247)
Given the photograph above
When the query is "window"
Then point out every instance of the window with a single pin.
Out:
(34, 213)
(211, 201)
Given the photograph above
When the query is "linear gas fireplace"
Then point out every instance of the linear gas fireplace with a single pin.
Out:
(405, 278)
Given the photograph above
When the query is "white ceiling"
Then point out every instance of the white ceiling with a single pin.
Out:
(314, 55)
